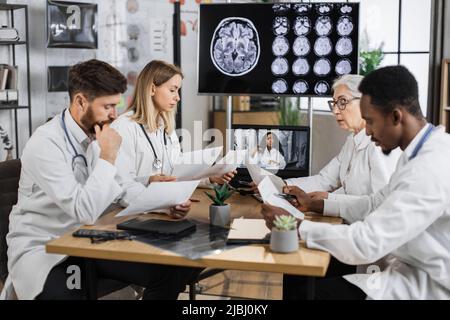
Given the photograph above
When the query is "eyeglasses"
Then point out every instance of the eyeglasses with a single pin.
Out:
(340, 103)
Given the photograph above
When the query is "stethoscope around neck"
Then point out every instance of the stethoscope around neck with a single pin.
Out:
(157, 163)
(77, 155)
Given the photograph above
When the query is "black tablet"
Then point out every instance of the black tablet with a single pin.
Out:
(160, 227)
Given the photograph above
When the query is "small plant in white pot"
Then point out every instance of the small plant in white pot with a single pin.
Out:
(219, 211)
(284, 236)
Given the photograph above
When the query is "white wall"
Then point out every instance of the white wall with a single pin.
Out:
(113, 20)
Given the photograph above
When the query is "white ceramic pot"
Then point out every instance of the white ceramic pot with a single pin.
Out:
(219, 215)
(284, 241)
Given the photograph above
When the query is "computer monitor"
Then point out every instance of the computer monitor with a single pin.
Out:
(282, 150)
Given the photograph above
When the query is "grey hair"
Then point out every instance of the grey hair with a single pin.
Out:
(352, 82)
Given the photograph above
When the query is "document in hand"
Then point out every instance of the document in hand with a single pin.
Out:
(191, 163)
(228, 163)
(258, 174)
(160, 195)
(269, 193)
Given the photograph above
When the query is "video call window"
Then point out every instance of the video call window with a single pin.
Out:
(281, 150)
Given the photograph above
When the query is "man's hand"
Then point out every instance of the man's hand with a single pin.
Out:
(303, 201)
(109, 141)
(161, 178)
(271, 212)
(180, 211)
(318, 195)
(223, 179)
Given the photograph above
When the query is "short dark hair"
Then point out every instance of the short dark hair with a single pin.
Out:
(95, 78)
(391, 86)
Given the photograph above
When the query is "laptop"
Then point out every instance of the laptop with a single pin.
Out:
(159, 227)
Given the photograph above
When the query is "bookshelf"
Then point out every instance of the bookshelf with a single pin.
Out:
(12, 10)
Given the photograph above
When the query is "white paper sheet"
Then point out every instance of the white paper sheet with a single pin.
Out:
(269, 193)
(228, 163)
(160, 195)
(192, 164)
(258, 174)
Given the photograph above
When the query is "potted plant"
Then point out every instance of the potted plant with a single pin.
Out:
(284, 236)
(219, 211)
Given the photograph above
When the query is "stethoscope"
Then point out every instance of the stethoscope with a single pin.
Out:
(77, 155)
(424, 138)
(157, 163)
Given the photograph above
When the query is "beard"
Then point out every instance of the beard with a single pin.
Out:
(386, 152)
(88, 121)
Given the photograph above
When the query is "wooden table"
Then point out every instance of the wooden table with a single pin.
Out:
(256, 257)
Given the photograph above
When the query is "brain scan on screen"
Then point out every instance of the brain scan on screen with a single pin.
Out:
(301, 46)
(300, 67)
(344, 46)
(322, 67)
(280, 46)
(280, 26)
(281, 8)
(343, 66)
(280, 67)
(321, 87)
(346, 9)
(323, 26)
(235, 46)
(344, 26)
(301, 8)
(323, 46)
(279, 86)
(302, 25)
(324, 8)
(300, 86)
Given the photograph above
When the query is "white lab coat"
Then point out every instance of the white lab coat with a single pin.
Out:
(272, 159)
(53, 200)
(136, 157)
(407, 223)
(360, 168)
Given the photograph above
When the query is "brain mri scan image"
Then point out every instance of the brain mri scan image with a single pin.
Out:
(235, 46)
(322, 67)
(323, 46)
(280, 67)
(279, 86)
(323, 26)
(321, 88)
(346, 9)
(300, 86)
(281, 8)
(280, 46)
(344, 26)
(302, 26)
(344, 46)
(301, 8)
(301, 46)
(273, 48)
(324, 8)
(343, 66)
(280, 26)
(300, 67)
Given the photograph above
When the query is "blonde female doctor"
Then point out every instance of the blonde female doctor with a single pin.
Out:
(150, 146)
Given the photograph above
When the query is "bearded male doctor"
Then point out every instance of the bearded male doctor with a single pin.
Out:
(59, 190)
(407, 223)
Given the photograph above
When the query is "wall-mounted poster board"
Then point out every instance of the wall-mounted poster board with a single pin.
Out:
(276, 49)
(445, 94)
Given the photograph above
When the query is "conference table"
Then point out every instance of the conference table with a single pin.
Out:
(253, 257)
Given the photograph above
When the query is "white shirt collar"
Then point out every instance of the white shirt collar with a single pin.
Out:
(80, 136)
(410, 148)
(361, 140)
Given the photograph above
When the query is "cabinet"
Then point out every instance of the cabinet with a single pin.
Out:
(14, 11)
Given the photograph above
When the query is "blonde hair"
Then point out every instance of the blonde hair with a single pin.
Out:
(156, 72)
